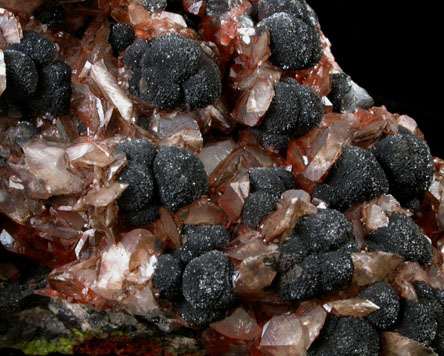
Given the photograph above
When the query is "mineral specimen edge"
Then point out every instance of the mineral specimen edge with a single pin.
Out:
(201, 177)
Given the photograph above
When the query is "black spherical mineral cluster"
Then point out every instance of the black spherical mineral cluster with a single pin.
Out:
(295, 40)
(294, 111)
(35, 77)
(170, 71)
(170, 176)
(197, 277)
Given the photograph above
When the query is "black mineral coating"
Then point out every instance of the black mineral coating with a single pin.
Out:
(51, 16)
(121, 36)
(403, 238)
(297, 8)
(156, 89)
(168, 276)
(142, 217)
(39, 48)
(134, 53)
(264, 180)
(21, 74)
(207, 281)
(286, 178)
(204, 87)
(327, 230)
(23, 132)
(140, 190)
(201, 239)
(336, 270)
(175, 57)
(355, 177)
(300, 282)
(198, 316)
(293, 252)
(53, 94)
(426, 296)
(257, 207)
(294, 110)
(153, 5)
(294, 43)
(138, 151)
(438, 342)
(416, 322)
(350, 337)
(386, 298)
(217, 7)
(407, 162)
(278, 142)
(180, 177)
(340, 85)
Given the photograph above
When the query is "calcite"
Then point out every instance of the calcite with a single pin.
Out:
(59, 191)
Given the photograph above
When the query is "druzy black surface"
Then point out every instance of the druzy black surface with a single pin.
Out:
(257, 207)
(295, 109)
(295, 44)
(134, 53)
(53, 94)
(401, 237)
(384, 296)
(416, 321)
(51, 16)
(168, 276)
(140, 190)
(207, 281)
(336, 270)
(355, 177)
(286, 178)
(172, 70)
(138, 151)
(340, 85)
(180, 177)
(199, 316)
(39, 48)
(201, 239)
(121, 36)
(324, 231)
(204, 87)
(296, 8)
(348, 337)
(153, 5)
(176, 57)
(300, 282)
(408, 164)
(265, 180)
(21, 74)
(142, 217)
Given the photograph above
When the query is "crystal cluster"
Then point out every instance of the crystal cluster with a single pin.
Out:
(208, 165)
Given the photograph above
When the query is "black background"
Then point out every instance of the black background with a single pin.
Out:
(392, 49)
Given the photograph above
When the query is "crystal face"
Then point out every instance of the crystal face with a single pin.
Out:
(101, 196)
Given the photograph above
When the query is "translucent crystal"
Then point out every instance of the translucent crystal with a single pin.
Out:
(2, 73)
(90, 154)
(253, 104)
(233, 198)
(410, 272)
(312, 321)
(312, 155)
(106, 195)
(239, 326)
(48, 167)
(201, 212)
(293, 205)
(214, 153)
(353, 307)
(394, 344)
(371, 267)
(10, 28)
(111, 90)
(283, 335)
